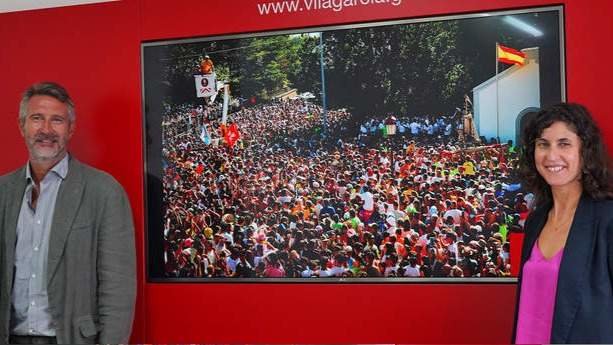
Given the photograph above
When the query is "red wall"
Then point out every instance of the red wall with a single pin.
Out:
(94, 50)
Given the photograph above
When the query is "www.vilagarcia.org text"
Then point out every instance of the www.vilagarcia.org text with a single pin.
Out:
(294, 6)
(338, 5)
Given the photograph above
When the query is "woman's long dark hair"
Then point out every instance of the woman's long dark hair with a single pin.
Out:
(596, 163)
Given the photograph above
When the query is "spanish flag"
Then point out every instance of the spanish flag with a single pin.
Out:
(510, 55)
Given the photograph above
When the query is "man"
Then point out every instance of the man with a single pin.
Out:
(67, 256)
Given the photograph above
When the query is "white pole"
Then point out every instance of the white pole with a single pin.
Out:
(497, 99)
(324, 114)
(226, 100)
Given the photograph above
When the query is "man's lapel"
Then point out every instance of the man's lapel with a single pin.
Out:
(66, 207)
(14, 199)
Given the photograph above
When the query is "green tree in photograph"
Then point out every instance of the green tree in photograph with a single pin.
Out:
(267, 65)
(408, 69)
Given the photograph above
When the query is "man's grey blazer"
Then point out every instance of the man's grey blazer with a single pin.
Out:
(91, 271)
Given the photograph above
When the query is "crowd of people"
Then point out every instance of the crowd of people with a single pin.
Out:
(414, 126)
(299, 197)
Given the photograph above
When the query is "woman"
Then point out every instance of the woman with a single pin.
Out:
(273, 266)
(566, 280)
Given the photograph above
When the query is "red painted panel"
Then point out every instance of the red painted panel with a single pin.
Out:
(588, 32)
(94, 51)
(215, 17)
(330, 313)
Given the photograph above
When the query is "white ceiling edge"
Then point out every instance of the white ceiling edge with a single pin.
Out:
(25, 5)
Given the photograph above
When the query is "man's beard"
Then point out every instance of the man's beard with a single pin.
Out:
(46, 153)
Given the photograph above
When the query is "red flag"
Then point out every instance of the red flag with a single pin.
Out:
(232, 134)
(223, 130)
(510, 55)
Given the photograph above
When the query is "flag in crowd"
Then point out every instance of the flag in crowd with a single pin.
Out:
(204, 135)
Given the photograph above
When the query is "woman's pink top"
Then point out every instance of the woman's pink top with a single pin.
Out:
(537, 297)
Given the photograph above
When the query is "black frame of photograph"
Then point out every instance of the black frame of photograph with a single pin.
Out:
(321, 98)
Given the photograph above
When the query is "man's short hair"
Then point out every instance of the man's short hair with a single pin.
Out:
(50, 89)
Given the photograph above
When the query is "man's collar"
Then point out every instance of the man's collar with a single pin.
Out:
(28, 173)
(60, 169)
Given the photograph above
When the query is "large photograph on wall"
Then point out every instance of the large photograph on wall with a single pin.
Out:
(369, 152)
